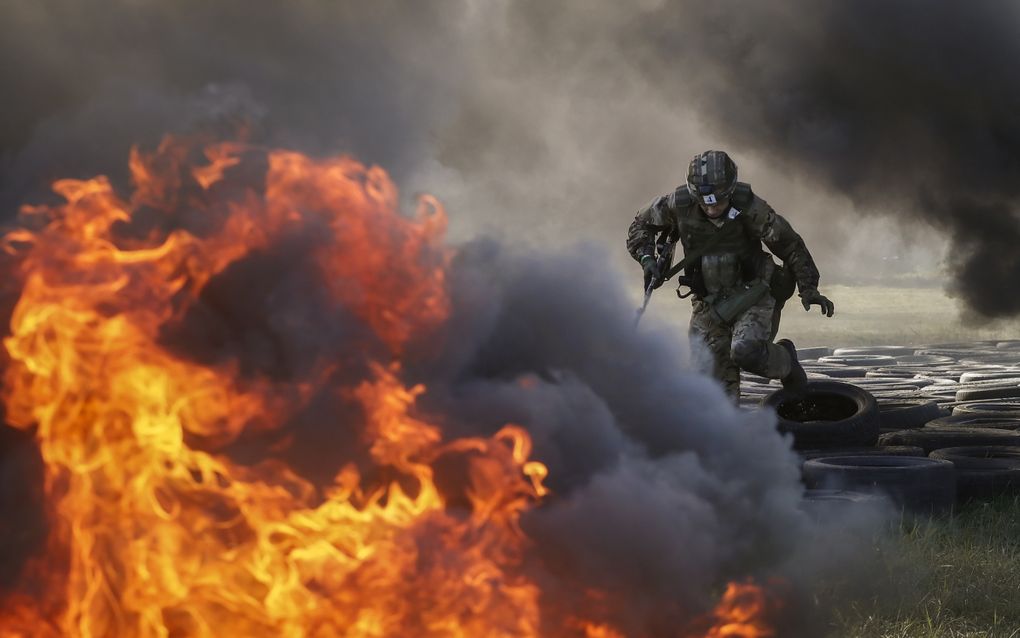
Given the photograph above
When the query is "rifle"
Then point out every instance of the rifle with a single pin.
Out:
(665, 248)
(664, 259)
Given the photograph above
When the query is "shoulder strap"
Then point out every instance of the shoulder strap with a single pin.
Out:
(681, 198)
(742, 195)
(704, 248)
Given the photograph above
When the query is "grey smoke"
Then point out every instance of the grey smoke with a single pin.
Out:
(906, 107)
(84, 81)
(544, 121)
(662, 489)
(548, 123)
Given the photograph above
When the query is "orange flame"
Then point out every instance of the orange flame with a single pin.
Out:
(742, 613)
(154, 537)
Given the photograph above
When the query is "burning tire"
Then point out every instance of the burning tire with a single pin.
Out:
(920, 485)
(983, 471)
(830, 414)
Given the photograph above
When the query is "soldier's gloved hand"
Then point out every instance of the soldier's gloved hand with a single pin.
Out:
(812, 297)
(653, 276)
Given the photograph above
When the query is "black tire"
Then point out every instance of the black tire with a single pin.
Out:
(956, 421)
(804, 354)
(824, 505)
(934, 439)
(984, 358)
(907, 414)
(862, 360)
(841, 496)
(889, 450)
(986, 408)
(884, 351)
(978, 377)
(1010, 391)
(829, 414)
(891, 373)
(939, 393)
(983, 471)
(841, 372)
(923, 360)
(981, 457)
(916, 484)
(985, 484)
(889, 388)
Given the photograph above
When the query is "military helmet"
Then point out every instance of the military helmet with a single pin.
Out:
(712, 176)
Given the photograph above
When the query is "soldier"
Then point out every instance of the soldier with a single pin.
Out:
(736, 287)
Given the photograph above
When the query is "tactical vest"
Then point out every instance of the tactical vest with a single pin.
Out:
(735, 236)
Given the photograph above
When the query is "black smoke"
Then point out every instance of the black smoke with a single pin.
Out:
(663, 490)
(907, 107)
(84, 81)
(547, 119)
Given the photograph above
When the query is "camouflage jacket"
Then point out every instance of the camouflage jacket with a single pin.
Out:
(749, 223)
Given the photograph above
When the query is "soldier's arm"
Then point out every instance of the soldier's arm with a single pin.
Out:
(649, 221)
(784, 242)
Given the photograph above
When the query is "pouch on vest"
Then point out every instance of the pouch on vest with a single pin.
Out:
(733, 306)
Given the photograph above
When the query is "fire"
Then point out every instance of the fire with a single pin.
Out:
(155, 530)
(742, 613)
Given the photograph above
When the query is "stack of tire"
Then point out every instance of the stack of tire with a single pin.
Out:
(924, 427)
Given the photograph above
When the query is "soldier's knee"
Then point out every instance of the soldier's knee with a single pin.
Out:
(749, 354)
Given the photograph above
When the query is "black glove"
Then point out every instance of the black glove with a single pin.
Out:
(653, 275)
(811, 297)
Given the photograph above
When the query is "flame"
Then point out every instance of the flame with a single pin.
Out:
(155, 536)
(742, 612)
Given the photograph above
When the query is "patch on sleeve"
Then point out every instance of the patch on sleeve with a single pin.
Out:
(733, 213)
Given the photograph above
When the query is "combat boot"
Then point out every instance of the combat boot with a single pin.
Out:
(796, 381)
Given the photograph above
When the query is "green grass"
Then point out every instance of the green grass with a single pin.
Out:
(876, 315)
(954, 577)
(865, 315)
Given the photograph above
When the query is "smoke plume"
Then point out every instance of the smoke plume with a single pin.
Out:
(550, 121)
(906, 107)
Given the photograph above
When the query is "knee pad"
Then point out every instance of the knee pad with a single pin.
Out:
(749, 354)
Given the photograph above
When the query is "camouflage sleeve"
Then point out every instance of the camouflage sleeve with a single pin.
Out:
(649, 221)
(784, 242)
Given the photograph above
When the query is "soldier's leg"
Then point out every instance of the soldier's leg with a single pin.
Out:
(777, 314)
(716, 337)
(752, 348)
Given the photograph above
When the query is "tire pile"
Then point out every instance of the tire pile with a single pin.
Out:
(925, 427)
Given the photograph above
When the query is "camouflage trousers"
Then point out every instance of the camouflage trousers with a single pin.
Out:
(724, 349)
